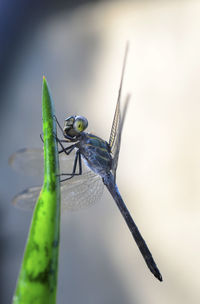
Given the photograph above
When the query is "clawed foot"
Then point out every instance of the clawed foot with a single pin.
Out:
(65, 179)
(41, 137)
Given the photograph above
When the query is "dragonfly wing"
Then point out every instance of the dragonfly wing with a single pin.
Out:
(30, 162)
(117, 142)
(77, 193)
(117, 115)
(115, 134)
(115, 124)
(81, 191)
(26, 200)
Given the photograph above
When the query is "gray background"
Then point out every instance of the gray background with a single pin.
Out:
(80, 49)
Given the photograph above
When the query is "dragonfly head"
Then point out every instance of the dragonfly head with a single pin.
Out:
(74, 125)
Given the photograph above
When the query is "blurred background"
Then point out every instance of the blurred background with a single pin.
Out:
(79, 47)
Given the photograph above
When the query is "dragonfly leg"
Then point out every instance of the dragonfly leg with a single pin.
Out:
(59, 140)
(61, 129)
(66, 150)
(77, 158)
(41, 137)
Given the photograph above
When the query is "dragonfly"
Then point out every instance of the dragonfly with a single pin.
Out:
(94, 166)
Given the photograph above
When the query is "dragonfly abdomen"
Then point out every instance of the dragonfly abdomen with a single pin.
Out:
(108, 180)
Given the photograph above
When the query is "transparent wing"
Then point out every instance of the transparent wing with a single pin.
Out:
(117, 142)
(79, 192)
(26, 199)
(118, 120)
(27, 161)
(115, 124)
(30, 162)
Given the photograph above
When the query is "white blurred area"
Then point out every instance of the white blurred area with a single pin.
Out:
(159, 167)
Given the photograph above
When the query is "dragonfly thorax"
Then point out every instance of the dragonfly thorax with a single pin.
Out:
(96, 153)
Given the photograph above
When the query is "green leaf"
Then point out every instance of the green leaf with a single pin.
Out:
(37, 282)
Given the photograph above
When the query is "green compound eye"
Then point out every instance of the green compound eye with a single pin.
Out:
(80, 124)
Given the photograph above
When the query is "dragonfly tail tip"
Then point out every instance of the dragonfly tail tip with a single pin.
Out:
(158, 276)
